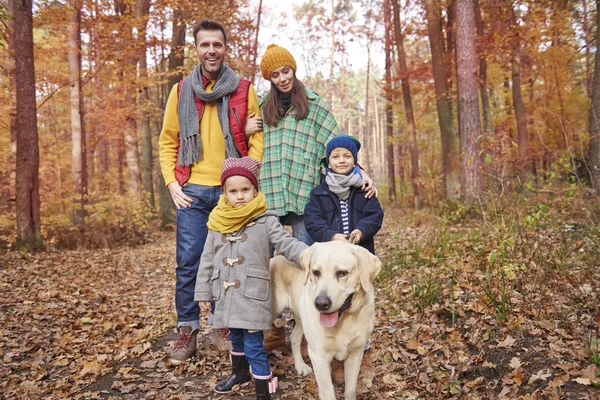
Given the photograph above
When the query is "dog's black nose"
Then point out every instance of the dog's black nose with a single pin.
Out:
(322, 303)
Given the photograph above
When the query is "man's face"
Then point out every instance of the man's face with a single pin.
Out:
(211, 50)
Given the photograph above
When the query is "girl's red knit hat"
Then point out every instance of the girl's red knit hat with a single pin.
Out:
(245, 166)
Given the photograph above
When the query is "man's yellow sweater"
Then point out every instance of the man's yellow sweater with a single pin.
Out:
(206, 172)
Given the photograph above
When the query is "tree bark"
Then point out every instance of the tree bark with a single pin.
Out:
(142, 10)
(519, 105)
(389, 119)
(78, 148)
(594, 113)
(367, 131)
(468, 103)
(332, 57)
(166, 206)
(483, 89)
(450, 157)
(29, 234)
(588, 51)
(255, 46)
(408, 107)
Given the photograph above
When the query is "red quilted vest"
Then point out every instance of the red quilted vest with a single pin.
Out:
(238, 108)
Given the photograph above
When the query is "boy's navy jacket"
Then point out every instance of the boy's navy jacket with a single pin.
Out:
(322, 215)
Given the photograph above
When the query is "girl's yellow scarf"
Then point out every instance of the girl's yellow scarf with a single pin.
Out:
(227, 219)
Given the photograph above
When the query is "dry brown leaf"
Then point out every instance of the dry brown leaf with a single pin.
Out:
(507, 343)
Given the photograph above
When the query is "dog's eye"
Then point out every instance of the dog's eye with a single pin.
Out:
(317, 274)
(341, 274)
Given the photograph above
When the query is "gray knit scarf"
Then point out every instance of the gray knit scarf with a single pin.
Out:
(341, 184)
(190, 145)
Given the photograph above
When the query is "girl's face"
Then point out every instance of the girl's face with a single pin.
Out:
(283, 78)
(239, 191)
(341, 161)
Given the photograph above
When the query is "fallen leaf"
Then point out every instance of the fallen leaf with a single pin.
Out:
(583, 381)
(508, 342)
(514, 363)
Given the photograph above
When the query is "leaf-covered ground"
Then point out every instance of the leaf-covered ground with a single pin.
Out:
(476, 310)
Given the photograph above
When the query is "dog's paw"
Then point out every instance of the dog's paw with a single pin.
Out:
(303, 369)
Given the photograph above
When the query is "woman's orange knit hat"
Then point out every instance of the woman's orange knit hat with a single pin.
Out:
(275, 57)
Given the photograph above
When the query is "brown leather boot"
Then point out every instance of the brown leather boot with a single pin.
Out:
(274, 338)
(185, 346)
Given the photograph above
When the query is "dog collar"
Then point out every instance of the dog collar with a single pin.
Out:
(346, 305)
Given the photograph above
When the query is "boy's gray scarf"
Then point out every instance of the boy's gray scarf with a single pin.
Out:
(190, 145)
(341, 184)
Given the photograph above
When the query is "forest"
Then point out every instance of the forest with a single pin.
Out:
(479, 123)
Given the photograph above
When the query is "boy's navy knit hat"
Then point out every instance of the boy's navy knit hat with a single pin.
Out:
(347, 142)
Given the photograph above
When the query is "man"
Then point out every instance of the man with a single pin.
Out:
(203, 125)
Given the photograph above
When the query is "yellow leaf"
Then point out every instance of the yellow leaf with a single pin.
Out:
(421, 350)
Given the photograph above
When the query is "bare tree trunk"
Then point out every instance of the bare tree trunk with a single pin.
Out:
(389, 119)
(450, 153)
(29, 234)
(12, 85)
(142, 10)
(332, 57)
(594, 115)
(367, 131)
(79, 151)
(255, 46)
(519, 105)
(483, 89)
(468, 102)
(176, 57)
(408, 107)
(588, 51)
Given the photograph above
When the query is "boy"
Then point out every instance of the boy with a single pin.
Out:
(234, 271)
(338, 209)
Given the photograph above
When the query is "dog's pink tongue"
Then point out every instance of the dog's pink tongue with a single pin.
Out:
(329, 320)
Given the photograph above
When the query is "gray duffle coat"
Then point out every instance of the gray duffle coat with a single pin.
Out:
(240, 262)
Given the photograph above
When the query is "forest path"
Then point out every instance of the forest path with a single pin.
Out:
(97, 324)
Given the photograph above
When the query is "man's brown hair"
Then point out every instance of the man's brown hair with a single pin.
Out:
(209, 25)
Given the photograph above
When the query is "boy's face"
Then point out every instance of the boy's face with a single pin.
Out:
(341, 161)
(239, 191)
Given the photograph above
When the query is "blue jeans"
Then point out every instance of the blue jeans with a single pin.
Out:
(298, 229)
(251, 344)
(191, 235)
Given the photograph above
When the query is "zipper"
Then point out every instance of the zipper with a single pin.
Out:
(237, 117)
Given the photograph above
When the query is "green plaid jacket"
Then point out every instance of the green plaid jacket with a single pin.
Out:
(293, 152)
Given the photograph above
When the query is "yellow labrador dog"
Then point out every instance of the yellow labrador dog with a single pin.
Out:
(333, 305)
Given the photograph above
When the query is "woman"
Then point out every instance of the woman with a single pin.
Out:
(297, 126)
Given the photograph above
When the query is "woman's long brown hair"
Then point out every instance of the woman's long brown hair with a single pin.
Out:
(273, 111)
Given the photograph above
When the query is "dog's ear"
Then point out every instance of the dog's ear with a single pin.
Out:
(305, 257)
(369, 266)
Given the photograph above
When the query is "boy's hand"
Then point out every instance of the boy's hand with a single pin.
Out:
(252, 125)
(204, 307)
(339, 236)
(355, 236)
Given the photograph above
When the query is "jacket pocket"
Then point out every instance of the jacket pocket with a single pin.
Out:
(216, 284)
(258, 283)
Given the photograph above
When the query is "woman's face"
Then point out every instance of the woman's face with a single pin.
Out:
(283, 79)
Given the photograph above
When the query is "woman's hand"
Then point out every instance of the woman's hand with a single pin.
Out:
(252, 125)
(368, 185)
